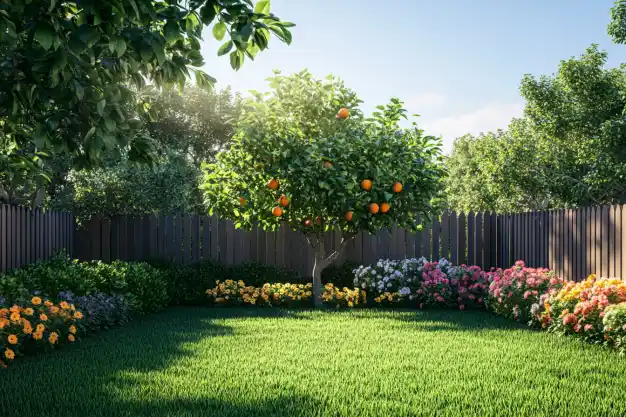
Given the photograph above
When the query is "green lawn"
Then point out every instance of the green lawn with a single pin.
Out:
(261, 362)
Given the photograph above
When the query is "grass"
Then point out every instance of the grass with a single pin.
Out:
(261, 362)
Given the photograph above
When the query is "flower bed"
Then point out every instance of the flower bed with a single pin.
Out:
(36, 325)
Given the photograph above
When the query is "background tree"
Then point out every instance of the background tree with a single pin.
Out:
(72, 73)
(192, 126)
(617, 26)
(297, 159)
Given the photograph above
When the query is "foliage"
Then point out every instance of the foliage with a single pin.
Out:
(340, 275)
(513, 291)
(36, 325)
(296, 161)
(569, 149)
(343, 297)
(614, 323)
(72, 72)
(124, 188)
(617, 26)
(102, 311)
(146, 286)
(196, 123)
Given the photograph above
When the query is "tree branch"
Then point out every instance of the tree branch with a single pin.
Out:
(344, 241)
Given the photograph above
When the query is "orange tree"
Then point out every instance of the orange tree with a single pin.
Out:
(305, 156)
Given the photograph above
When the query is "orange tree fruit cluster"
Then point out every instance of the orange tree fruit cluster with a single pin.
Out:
(296, 163)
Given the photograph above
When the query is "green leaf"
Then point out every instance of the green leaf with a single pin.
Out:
(263, 6)
(101, 105)
(90, 133)
(236, 59)
(159, 52)
(225, 48)
(171, 31)
(120, 46)
(207, 13)
(219, 30)
(45, 35)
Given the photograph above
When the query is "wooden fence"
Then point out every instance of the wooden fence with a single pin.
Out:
(574, 243)
(30, 235)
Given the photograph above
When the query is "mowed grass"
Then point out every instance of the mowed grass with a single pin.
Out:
(262, 362)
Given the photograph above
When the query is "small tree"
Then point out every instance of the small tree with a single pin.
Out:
(304, 156)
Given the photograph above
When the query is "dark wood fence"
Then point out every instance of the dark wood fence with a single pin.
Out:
(29, 235)
(574, 243)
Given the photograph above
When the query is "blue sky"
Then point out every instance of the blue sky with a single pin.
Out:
(457, 63)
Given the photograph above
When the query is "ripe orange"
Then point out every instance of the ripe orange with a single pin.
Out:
(374, 208)
(242, 201)
(328, 164)
(283, 200)
(366, 185)
(308, 222)
(277, 211)
(385, 207)
(343, 113)
(272, 184)
(348, 216)
(397, 187)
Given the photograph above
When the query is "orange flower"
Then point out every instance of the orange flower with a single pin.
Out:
(43, 317)
(4, 322)
(38, 335)
(73, 329)
(14, 309)
(4, 312)
(15, 316)
(53, 338)
(64, 305)
(71, 338)
(48, 303)
(36, 301)
(54, 310)
(78, 315)
(9, 354)
(28, 328)
(28, 311)
(12, 339)
(41, 328)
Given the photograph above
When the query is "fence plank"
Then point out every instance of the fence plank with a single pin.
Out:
(462, 242)
(105, 240)
(426, 240)
(436, 230)
(471, 239)
(445, 234)
(229, 229)
(454, 238)
(205, 252)
(215, 239)
(623, 240)
(619, 243)
(611, 239)
(479, 241)
(3, 238)
(486, 241)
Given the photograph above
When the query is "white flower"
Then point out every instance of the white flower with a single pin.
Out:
(389, 285)
(363, 285)
(405, 291)
(373, 272)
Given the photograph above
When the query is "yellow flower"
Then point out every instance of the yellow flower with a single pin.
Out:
(48, 303)
(28, 328)
(14, 309)
(73, 329)
(9, 354)
(53, 338)
(15, 316)
(28, 311)
(64, 305)
(12, 339)
(71, 338)
(41, 328)
(78, 315)
(3, 323)
(36, 301)
(54, 309)
(38, 335)
(43, 317)
(72, 307)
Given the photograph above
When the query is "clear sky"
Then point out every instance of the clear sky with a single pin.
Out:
(457, 63)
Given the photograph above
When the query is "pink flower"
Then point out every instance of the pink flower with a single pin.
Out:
(577, 328)
(472, 296)
(480, 301)
(500, 300)
(510, 294)
(588, 327)
(422, 305)
(461, 307)
(526, 295)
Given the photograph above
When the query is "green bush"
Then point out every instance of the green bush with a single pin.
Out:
(340, 276)
(146, 287)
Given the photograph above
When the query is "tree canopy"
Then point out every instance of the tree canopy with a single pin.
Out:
(306, 157)
(72, 72)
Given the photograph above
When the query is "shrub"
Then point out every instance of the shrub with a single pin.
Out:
(101, 311)
(614, 322)
(513, 291)
(291, 295)
(344, 297)
(579, 308)
(36, 325)
(341, 276)
(231, 292)
(146, 286)
(471, 285)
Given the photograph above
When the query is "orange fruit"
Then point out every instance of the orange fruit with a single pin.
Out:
(397, 187)
(374, 208)
(343, 113)
(328, 164)
(242, 201)
(283, 200)
(366, 185)
(348, 216)
(308, 222)
(385, 207)
(272, 184)
(277, 211)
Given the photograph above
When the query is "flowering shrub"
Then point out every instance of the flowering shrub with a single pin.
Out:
(36, 325)
(614, 322)
(471, 286)
(513, 291)
(579, 308)
(343, 297)
(387, 276)
(286, 294)
(232, 292)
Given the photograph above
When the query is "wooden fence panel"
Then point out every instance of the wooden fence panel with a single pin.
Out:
(471, 239)
(454, 239)
(445, 235)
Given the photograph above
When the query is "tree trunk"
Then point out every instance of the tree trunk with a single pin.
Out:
(318, 267)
